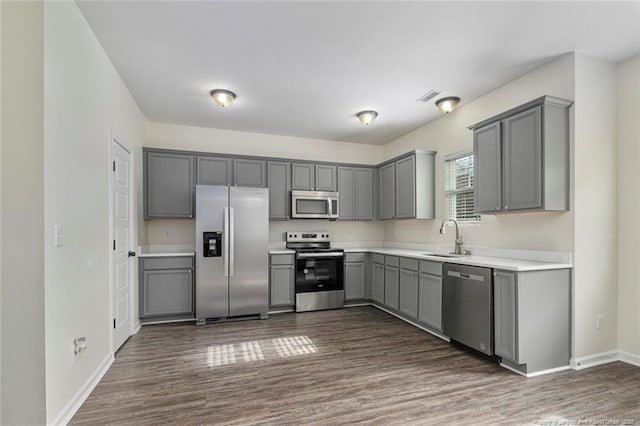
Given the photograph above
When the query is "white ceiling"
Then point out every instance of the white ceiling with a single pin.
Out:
(306, 68)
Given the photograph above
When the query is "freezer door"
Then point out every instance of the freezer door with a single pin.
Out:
(248, 261)
(212, 282)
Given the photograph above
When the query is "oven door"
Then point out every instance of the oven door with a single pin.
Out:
(319, 272)
(314, 205)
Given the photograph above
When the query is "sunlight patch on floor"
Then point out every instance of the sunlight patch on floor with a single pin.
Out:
(259, 350)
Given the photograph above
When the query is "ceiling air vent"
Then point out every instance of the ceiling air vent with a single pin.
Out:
(429, 95)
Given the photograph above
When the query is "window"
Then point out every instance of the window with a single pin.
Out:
(458, 187)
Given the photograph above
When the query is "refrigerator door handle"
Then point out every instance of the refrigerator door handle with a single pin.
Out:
(225, 242)
(232, 236)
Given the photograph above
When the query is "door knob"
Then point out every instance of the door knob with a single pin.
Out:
(132, 254)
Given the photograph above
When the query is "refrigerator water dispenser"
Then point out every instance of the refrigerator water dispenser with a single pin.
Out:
(212, 242)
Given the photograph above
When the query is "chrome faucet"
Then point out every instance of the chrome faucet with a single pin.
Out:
(458, 249)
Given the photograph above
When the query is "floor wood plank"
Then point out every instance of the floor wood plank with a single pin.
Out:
(338, 367)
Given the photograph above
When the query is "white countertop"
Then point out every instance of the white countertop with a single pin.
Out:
(504, 263)
(166, 250)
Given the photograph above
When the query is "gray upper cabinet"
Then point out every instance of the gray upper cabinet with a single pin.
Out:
(279, 180)
(314, 177)
(487, 168)
(355, 188)
(346, 193)
(522, 158)
(387, 195)
(407, 187)
(250, 173)
(303, 177)
(214, 171)
(326, 179)
(169, 185)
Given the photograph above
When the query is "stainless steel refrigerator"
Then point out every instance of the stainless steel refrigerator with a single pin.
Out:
(232, 234)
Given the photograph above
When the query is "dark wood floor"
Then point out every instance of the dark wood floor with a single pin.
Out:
(337, 367)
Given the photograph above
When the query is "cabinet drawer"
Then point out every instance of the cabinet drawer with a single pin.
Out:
(433, 268)
(392, 260)
(408, 263)
(282, 259)
(184, 262)
(378, 258)
(354, 257)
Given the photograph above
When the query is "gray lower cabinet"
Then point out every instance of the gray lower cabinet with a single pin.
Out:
(377, 283)
(521, 158)
(409, 293)
(248, 172)
(166, 288)
(532, 324)
(281, 281)
(387, 196)
(169, 185)
(354, 279)
(214, 171)
(279, 181)
(430, 301)
(391, 287)
(355, 188)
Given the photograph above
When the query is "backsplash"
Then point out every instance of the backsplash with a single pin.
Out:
(182, 231)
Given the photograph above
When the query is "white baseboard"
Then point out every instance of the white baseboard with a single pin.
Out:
(83, 393)
(629, 358)
(136, 327)
(594, 360)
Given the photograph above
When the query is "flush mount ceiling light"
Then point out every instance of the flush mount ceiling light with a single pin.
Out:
(366, 117)
(222, 97)
(448, 104)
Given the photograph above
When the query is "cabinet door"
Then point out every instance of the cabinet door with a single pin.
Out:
(409, 293)
(214, 171)
(250, 173)
(430, 301)
(281, 285)
(363, 194)
(377, 290)
(406, 188)
(279, 180)
(387, 195)
(504, 315)
(354, 281)
(391, 287)
(346, 193)
(522, 160)
(326, 179)
(166, 293)
(487, 166)
(303, 177)
(169, 185)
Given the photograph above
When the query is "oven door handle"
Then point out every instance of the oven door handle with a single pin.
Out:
(307, 255)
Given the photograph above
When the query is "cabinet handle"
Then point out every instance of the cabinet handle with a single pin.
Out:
(506, 207)
(291, 267)
(497, 207)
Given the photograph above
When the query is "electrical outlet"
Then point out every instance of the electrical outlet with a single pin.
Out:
(58, 237)
(167, 233)
(79, 345)
(599, 319)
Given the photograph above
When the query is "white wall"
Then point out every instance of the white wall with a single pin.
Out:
(628, 107)
(84, 101)
(448, 134)
(595, 207)
(188, 138)
(22, 382)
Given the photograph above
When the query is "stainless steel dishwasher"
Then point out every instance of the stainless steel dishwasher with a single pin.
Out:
(467, 306)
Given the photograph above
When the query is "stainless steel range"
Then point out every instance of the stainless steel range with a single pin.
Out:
(319, 271)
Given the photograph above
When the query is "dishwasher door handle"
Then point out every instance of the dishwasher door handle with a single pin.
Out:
(473, 277)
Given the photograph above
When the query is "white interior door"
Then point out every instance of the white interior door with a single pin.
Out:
(120, 213)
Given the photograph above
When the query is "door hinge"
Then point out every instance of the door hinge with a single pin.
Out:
(114, 166)
(114, 323)
(114, 244)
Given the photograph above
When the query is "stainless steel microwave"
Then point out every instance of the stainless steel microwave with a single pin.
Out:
(314, 205)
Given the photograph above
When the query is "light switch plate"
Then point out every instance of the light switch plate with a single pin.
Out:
(58, 239)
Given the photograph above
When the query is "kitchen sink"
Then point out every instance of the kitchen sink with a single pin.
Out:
(445, 255)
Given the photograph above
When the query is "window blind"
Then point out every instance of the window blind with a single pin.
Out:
(458, 184)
